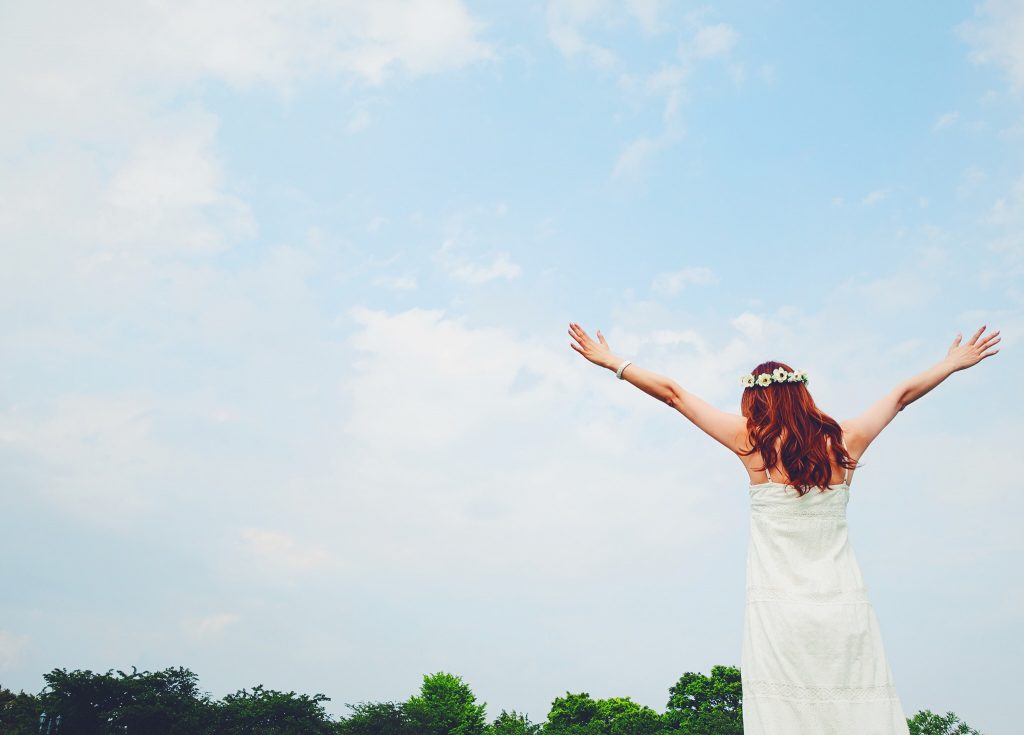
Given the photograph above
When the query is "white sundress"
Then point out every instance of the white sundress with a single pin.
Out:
(812, 660)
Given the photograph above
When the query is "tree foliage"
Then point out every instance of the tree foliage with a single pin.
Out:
(579, 714)
(19, 713)
(708, 705)
(377, 718)
(513, 723)
(169, 702)
(270, 712)
(927, 722)
(445, 706)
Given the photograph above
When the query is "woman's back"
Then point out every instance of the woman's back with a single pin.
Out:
(812, 650)
(778, 473)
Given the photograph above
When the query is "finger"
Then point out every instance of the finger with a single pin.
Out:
(989, 341)
(601, 337)
(956, 341)
(989, 354)
(976, 335)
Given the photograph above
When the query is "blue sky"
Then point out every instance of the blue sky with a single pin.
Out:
(286, 391)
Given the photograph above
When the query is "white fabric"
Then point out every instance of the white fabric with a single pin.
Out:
(812, 660)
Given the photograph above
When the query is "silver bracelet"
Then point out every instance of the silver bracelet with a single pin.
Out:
(618, 373)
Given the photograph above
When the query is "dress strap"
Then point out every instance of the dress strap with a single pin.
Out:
(768, 473)
(846, 471)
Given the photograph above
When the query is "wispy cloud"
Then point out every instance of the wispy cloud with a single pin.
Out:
(996, 36)
(675, 281)
(565, 22)
(457, 265)
(945, 120)
(12, 649)
(874, 197)
(211, 625)
(277, 548)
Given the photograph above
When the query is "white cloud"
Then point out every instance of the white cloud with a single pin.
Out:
(1008, 209)
(130, 173)
(12, 649)
(565, 21)
(211, 625)
(673, 282)
(996, 36)
(279, 549)
(359, 121)
(714, 41)
(901, 290)
(945, 120)
(500, 267)
(647, 12)
(1005, 221)
(873, 197)
(451, 400)
(749, 325)
(376, 223)
(970, 179)
(97, 452)
(636, 155)
(669, 83)
(397, 283)
(452, 259)
(77, 58)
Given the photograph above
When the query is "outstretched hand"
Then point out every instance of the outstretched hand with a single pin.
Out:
(964, 356)
(597, 352)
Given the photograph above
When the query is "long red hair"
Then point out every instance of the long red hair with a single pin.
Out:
(787, 410)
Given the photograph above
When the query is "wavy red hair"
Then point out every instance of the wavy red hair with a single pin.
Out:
(787, 410)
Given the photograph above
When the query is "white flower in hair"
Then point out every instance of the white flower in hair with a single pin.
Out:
(764, 379)
(780, 374)
(747, 380)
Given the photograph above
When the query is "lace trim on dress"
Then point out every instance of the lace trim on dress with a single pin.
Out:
(828, 512)
(799, 693)
(756, 593)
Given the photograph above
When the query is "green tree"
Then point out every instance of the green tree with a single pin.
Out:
(156, 703)
(927, 722)
(270, 712)
(445, 706)
(512, 723)
(707, 705)
(623, 716)
(377, 718)
(579, 714)
(573, 714)
(84, 701)
(164, 702)
(19, 713)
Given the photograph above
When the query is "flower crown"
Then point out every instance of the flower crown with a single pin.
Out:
(778, 375)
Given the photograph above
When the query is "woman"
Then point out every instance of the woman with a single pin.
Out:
(812, 659)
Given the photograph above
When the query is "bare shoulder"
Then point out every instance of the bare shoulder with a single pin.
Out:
(855, 439)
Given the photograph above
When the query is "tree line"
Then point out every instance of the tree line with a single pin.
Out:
(170, 702)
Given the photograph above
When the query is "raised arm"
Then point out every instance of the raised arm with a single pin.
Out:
(724, 427)
(863, 429)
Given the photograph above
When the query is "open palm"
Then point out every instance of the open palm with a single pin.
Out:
(966, 355)
(598, 352)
